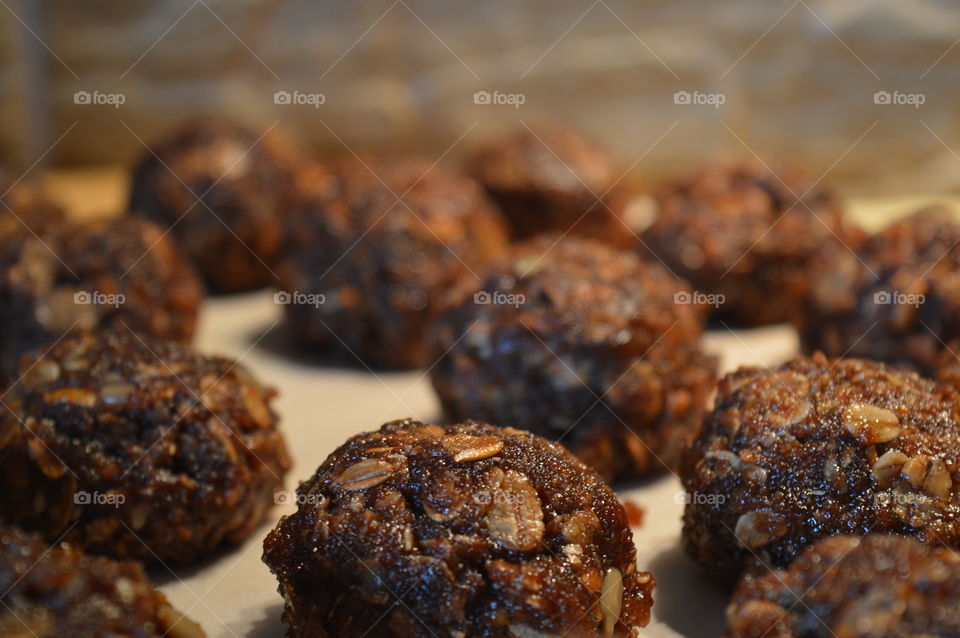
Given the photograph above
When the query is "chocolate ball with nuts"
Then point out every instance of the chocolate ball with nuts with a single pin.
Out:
(122, 274)
(375, 248)
(878, 586)
(815, 448)
(749, 232)
(581, 343)
(552, 179)
(137, 448)
(897, 300)
(223, 191)
(60, 591)
(461, 530)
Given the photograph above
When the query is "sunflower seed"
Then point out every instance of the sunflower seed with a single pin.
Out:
(915, 470)
(611, 600)
(364, 474)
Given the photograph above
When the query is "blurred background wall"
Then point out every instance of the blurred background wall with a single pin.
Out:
(667, 84)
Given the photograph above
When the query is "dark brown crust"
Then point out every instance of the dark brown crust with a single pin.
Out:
(899, 302)
(739, 230)
(49, 593)
(125, 271)
(815, 448)
(379, 264)
(480, 531)
(594, 322)
(187, 442)
(550, 179)
(844, 587)
(246, 184)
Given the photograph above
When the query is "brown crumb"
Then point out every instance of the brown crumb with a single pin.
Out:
(635, 513)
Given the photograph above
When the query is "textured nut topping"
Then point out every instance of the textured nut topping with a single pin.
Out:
(516, 520)
(465, 447)
(364, 474)
(488, 543)
(871, 424)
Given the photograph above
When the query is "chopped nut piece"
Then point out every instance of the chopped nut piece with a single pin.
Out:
(888, 466)
(871, 424)
(937, 482)
(915, 470)
(465, 448)
(516, 520)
